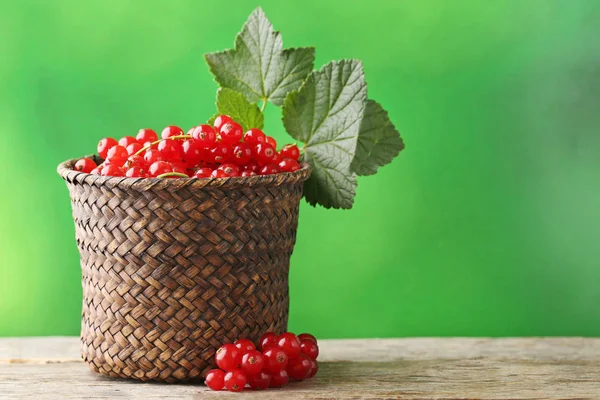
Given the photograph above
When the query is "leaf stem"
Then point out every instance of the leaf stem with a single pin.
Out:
(140, 151)
(264, 105)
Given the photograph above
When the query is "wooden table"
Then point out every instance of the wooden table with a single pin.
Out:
(549, 368)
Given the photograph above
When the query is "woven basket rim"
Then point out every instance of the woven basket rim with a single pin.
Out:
(66, 171)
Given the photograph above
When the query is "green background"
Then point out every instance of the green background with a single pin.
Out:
(487, 224)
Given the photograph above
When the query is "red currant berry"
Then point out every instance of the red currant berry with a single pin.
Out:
(170, 149)
(299, 367)
(135, 172)
(253, 362)
(146, 135)
(314, 367)
(126, 141)
(215, 379)
(235, 380)
(279, 378)
(179, 166)
(158, 168)
(310, 348)
(248, 173)
(264, 153)
(231, 132)
(242, 153)
(276, 158)
(192, 152)
(244, 345)
(135, 161)
(150, 145)
(251, 166)
(289, 343)
(220, 153)
(271, 140)
(268, 169)
(254, 136)
(96, 171)
(303, 336)
(260, 381)
(203, 173)
(230, 169)
(112, 170)
(220, 121)
(288, 165)
(151, 156)
(205, 135)
(105, 145)
(117, 155)
(134, 148)
(275, 359)
(217, 173)
(86, 165)
(170, 131)
(190, 131)
(228, 357)
(290, 151)
(268, 340)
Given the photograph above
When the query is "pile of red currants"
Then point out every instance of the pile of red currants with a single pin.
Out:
(220, 150)
(279, 359)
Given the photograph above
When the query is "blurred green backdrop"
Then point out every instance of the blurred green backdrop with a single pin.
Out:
(488, 223)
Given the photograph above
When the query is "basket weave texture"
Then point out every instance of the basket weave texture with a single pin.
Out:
(173, 268)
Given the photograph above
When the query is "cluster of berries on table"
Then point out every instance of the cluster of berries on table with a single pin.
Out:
(278, 359)
(220, 150)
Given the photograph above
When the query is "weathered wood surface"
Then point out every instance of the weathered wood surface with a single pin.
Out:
(433, 368)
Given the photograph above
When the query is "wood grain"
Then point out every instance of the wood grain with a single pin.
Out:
(433, 368)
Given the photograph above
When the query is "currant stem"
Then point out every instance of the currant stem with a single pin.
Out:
(140, 151)
(168, 174)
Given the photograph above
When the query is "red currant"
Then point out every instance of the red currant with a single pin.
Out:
(228, 357)
(203, 173)
(242, 153)
(171, 131)
(205, 135)
(235, 380)
(276, 158)
(126, 141)
(192, 152)
(251, 166)
(220, 153)
(190, 131)
(179, 166)
(220, 121)
(268, 340)
(117, 155)
(264, 153)
(254, 136)
(112, 170)
(146, 135)
(244, 345)
(96, 171)
(218, 173)
(86, 165)
(135, 161)
(253, 362)
(248, 173)
(310, 348)
(150, 145)
(275, 359)
(170, 149)
(289, 343)
(299, 367)
(231, 132)
(260, 381)
(230, 169)
(105, 145)
(303, 336)
(314, 367)
(288, 165)
(290, 151)
(135, 172)
(268, 169)
(151, 156)
(279, 378)
(134, 148)
(271, 140)
(158, 168)
(215, 379)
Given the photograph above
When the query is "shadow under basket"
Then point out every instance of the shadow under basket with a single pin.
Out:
(173, 268)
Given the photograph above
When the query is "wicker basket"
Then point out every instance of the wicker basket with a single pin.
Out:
(172, 268)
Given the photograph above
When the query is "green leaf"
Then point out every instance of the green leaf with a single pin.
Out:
(239, 108)
(325, 114)
(259, 68)
(378, 141)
